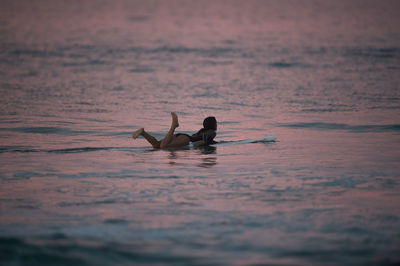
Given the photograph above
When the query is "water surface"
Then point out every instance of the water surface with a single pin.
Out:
(321, 77)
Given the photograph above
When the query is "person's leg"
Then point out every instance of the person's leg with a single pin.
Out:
(164, 143)
(152, 140)
(177, 141)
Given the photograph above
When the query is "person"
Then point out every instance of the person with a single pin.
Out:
(204, 136)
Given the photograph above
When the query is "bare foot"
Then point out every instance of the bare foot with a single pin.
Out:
(174, 119)
(137, 133)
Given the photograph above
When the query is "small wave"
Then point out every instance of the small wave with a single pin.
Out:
(45, 130)
(208, 52)
(215, 62)
(70, 150)
(40, 130)
(60, 249)
(141, 69)
(36, 53)
(115, 221)
(372, 52)
(118, 88)
(212, 108)
(139, 18)
(264, 140)
(280, 64)
(90, 203)
(3, 149)
(78, 150)
(350, 128)
(327, 110)
(26, 175)
(16, 149)
(85, 63)
(228, 122)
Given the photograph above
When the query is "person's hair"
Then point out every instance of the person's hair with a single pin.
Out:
(210, 123)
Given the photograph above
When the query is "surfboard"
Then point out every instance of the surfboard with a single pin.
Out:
(265, 139)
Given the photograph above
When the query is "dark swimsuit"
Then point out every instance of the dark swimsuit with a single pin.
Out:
(202, 134)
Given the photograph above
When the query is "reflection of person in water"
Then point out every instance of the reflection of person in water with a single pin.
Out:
(204, 136)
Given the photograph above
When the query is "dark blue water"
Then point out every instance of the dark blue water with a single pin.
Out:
(307, 99)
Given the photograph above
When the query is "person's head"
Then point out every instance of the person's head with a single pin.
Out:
(210, 123)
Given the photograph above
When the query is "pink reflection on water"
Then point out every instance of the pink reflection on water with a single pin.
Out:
(197, 23)
(95, 100)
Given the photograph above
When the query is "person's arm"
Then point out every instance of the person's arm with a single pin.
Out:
(207, 139)
(199, 143)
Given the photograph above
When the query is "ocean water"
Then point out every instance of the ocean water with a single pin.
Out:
(307, 98)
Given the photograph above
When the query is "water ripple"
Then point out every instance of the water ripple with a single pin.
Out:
(350, 128)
